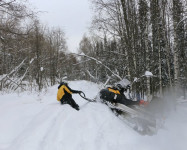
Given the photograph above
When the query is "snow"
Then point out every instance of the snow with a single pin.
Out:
(148, 74)
(31, 60)
(135, 79)
(29, 121)
(41, 69)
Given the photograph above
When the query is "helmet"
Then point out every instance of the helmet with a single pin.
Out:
(62, 83)
(119, 87)
(128, 86)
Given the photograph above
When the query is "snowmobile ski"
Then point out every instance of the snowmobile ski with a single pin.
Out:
(143, 123)
(132, 112)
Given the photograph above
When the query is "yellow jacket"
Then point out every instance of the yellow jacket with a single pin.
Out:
(61, 92)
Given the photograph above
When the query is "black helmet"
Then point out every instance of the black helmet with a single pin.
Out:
(119, 87)
(128, 86)
(62, 83)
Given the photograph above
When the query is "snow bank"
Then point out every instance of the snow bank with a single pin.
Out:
(32, 122)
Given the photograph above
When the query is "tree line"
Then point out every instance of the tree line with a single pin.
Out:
(134, 36)
(127, 38)
(32, 55)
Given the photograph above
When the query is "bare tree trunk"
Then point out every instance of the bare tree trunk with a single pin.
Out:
(148, 69)
(175, 46)
(160, 70)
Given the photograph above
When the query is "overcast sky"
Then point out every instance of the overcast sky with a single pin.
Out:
(72, 16)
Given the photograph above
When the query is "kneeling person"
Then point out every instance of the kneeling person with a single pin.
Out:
(64, 95)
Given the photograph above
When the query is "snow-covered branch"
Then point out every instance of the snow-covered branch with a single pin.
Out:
(180, 22)
(99, 62)
(7, 79)
(90, 75)
(14, 70)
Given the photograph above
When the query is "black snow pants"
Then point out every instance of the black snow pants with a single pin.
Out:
(70, 101)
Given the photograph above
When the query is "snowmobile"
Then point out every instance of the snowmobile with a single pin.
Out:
(131, 112)
(137, 114)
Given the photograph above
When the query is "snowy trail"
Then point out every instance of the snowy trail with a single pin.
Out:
(38, 127)
(31, 123)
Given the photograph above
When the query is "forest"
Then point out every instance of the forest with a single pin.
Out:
(126, 39)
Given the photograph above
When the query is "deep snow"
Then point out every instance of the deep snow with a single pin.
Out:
(39, 122)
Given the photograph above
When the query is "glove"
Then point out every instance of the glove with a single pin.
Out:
(142, 102)
(128, 87)
(80, 92)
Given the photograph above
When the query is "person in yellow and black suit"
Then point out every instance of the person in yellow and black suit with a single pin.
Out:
(116, 95)
(64, 95)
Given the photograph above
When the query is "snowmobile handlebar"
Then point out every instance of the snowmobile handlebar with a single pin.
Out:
(82, 94)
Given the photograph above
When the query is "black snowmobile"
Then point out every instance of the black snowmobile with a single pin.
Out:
(138, 114)
(134, 113)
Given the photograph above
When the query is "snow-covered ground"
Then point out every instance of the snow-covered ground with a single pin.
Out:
(32, 122)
